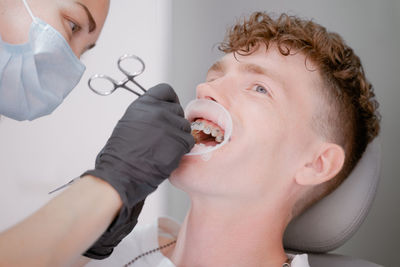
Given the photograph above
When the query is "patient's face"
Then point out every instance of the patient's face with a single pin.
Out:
(271, 99)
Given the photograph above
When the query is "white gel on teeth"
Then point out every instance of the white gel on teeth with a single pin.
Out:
(212, 111)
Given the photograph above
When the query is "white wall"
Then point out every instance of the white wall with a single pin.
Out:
(38, 156)
(371, 28)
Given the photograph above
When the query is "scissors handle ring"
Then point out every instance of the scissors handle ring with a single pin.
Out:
(127, 73)
(103, 77)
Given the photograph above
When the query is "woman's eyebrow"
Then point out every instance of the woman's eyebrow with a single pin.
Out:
(92, 23)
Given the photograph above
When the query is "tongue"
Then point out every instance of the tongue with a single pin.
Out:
(202, 138)
(206, 138)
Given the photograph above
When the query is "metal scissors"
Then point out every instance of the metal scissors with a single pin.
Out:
(109, 85)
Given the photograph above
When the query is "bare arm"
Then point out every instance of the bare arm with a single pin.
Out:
(58, 233)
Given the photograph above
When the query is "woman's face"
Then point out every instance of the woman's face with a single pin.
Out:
(79, 22)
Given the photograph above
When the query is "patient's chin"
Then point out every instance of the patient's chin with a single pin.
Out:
(186, 176)
(187, 167)
(176, 175)
(177, 179)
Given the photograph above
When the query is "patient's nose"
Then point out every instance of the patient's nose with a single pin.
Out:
(205, 91)
(214, 91)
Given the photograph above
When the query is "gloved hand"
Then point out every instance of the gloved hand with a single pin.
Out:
(146, 145)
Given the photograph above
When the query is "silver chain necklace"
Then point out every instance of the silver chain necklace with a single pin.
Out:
(286, 264)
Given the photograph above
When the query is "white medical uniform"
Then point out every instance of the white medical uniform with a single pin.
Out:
(144, 238)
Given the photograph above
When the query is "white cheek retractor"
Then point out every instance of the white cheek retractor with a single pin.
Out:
(212, 111)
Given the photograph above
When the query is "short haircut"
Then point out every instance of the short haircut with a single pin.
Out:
(349, 117)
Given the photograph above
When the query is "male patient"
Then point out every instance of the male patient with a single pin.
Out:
(303, 114)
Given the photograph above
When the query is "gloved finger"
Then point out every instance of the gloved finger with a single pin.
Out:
(149, 107)
(186, 125)
(159, 106)
(180, 123)
(174, 108)
(165, 116)
(163, 92)
(186, 140)
(172, 137)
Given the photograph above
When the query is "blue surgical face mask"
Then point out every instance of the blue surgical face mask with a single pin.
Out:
(35, 77)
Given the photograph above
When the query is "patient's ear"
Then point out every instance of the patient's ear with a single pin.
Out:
(322, 166)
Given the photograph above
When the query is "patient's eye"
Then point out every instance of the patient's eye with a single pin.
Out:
(211, 78)
(260, 89)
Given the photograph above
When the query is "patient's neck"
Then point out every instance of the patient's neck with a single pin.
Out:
(225, 233)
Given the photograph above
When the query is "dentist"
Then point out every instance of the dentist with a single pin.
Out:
(40, 44)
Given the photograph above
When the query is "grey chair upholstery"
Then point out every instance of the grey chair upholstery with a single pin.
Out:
(332, 221)
(331, 260)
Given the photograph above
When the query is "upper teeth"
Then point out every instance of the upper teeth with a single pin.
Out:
(197, 126)
(219, 139)
(208, 128)
(215, 132)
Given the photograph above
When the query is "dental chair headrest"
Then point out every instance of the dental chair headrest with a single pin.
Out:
(332, 221)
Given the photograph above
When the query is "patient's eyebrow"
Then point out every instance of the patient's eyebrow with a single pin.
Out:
(216, 67)
(257, 69)
(254, 68)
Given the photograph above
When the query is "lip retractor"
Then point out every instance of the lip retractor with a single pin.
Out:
(214, 112)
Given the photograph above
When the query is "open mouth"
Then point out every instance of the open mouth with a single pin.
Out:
(207, 132)
(211, 125)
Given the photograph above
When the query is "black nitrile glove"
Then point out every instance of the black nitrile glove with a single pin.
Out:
(146, 145)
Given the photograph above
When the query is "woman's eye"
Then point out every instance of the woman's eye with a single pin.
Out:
(260, 89)
(74, 27)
